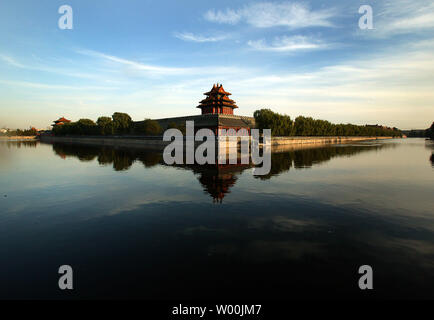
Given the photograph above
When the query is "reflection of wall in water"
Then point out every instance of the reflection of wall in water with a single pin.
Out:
(216, 180)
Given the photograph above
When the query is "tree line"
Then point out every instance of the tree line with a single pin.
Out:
(118, 124)
(283, 125)
(420, 133)
(429, 133)
(280, 125)
(20, 133)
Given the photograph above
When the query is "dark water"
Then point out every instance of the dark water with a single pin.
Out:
(133, 227)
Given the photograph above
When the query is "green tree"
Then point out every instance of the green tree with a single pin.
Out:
(172, 125)
(85, 127)
(180, 127)
(151, 127)
(429, 133)
(105, 126)
(121, 123)
(280, 125)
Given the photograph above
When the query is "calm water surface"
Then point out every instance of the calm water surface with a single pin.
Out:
(133, 227)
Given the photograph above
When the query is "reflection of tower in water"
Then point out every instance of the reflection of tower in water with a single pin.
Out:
(217, 184)
(218, 179)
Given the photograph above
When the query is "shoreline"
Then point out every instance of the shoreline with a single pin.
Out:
(157, 142)
(17, 138)
(278, 141)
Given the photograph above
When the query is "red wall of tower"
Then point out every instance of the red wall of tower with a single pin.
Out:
(223, 110)
(228, 110)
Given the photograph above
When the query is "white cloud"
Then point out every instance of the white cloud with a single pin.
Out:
(287, 44)
(403, 17)
(392, 87)
(267, 14)
(44, 68)
(39, 85)
(135, 65)
(162, 70)
(11, 61)
(229, 16)
(188, 36)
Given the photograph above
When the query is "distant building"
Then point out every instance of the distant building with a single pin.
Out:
(380, 126)
(217, 114)
(60, 121)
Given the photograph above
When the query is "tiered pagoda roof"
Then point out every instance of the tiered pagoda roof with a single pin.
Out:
(217, 97)
(60, 121)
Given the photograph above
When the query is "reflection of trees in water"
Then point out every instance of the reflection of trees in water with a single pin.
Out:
(105, 156)
(216, 180)
(24, 143)
(120, 158)
(150, 159)
(306, 158)
(83, 153)
(429, 144)
(280, 162)
(309, 157)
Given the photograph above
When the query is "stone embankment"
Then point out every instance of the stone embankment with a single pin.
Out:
(158, 143)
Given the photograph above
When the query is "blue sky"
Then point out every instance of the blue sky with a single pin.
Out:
(154, 59)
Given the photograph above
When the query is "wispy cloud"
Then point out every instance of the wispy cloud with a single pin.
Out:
(268, 14)
(365, 89)
(11, 61)
(188, 36)
(134, 64)
(162, 70)
(229, 16)
(403, 17)
(287, 44)
(45, 68)
(39, 85)
(360, 90)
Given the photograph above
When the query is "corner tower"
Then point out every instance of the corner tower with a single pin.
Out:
(217, 101)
